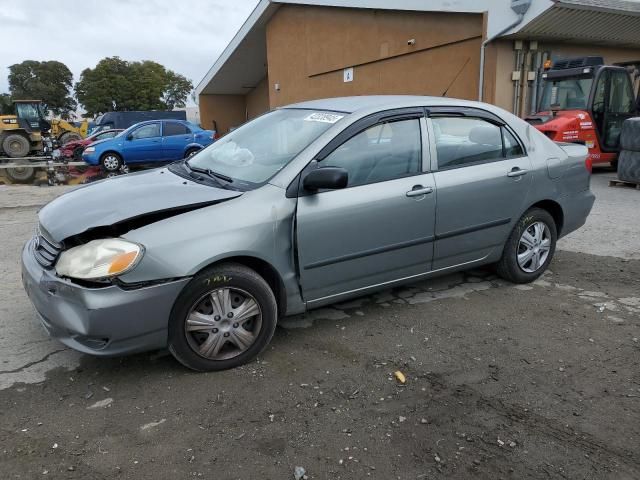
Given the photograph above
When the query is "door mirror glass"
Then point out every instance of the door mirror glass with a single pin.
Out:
(329, 178)
(130, 136)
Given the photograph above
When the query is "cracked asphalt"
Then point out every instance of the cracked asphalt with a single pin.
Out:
(503, 381)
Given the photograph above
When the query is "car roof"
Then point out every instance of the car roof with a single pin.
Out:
(366, 102)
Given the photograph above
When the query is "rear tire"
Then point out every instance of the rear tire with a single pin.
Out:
(530, 247)
(16, 146)
(111, 162)
(224, 317)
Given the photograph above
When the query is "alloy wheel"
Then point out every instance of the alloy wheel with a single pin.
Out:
(534, 247)
(223, 323)
(111, 162)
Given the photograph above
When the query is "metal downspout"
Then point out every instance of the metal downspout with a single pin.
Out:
(520, 7)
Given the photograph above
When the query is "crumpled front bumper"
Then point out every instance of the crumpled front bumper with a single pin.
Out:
(99, 321)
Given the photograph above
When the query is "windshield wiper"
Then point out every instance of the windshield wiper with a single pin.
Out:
(210, 173)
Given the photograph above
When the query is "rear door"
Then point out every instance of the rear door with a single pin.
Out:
(144, 144)
(175, 138)
(380, 227)
(482, 178)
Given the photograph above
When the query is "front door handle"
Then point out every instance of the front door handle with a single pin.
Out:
(517, 172)
(419, 190)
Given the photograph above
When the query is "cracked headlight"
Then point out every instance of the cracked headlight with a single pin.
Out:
(99, 259)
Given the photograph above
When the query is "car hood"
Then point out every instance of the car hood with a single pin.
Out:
(137, 198)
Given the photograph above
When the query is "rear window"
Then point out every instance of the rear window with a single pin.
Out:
(173, 128)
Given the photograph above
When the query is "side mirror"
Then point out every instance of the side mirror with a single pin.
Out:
(330, 178)
(130, 136)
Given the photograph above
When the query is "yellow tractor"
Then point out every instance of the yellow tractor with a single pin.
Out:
(21, 133)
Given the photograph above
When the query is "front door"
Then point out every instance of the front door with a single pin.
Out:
(144, 144)
(380, 227)
(613, 103)
(483, 177)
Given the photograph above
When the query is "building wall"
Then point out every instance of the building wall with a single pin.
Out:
(227, 111)
(308, 47)
(257, 100)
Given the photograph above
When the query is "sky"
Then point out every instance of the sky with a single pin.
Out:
(185, 36)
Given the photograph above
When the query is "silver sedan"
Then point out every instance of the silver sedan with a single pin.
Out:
(304, 206)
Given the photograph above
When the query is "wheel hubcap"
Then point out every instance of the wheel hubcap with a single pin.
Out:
(534, 247)
(223, 323)
(111, 162)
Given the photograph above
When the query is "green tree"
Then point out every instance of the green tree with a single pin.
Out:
(49, 81)
(177, 90)
(118, 85)
(6, 108)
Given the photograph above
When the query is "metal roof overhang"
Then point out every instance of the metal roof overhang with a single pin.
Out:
(244, 58)
(596, 22)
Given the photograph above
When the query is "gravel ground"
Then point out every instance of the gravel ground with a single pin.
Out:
(502, 381)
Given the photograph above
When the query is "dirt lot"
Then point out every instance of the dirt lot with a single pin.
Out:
(503, 381)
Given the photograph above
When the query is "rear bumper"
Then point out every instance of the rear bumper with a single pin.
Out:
(576, 208)
(99, 321)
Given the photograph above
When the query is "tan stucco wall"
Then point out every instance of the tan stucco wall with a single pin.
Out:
(227, 110)
(308, 47)
(230, 111)
(258, 99)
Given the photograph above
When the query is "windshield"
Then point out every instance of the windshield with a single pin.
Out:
(29, 111)
(256, 151)
(569, 93)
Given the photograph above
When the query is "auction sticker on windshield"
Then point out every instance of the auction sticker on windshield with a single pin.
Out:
(323, 117)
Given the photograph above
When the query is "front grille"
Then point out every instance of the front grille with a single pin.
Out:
(45, 250)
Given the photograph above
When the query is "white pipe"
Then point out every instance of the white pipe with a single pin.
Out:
(482, 52)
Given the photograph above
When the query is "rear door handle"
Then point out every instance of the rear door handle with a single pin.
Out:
(419, 190)
(517, 172)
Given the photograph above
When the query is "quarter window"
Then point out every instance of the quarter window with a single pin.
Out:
(382, 152)
(173, 128)
(147, 131)
(463, 141)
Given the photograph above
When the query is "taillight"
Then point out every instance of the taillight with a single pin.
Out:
(588, 164)
(215, 136)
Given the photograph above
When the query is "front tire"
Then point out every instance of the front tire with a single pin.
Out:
(69, 137)
(111, 162)
(222, 319)
(77, 154)
(16, 146)
(530, 247)
(191, 152)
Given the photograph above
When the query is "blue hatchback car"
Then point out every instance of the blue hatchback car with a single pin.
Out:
(148, 142)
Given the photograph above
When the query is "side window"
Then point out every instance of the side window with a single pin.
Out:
(173, 128)
(621, 95)
(462, 141)
(382, 152)
(511, 146)
(105, 135)
(598, 98)
(147, 131)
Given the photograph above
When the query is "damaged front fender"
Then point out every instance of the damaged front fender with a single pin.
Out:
(114, 206)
